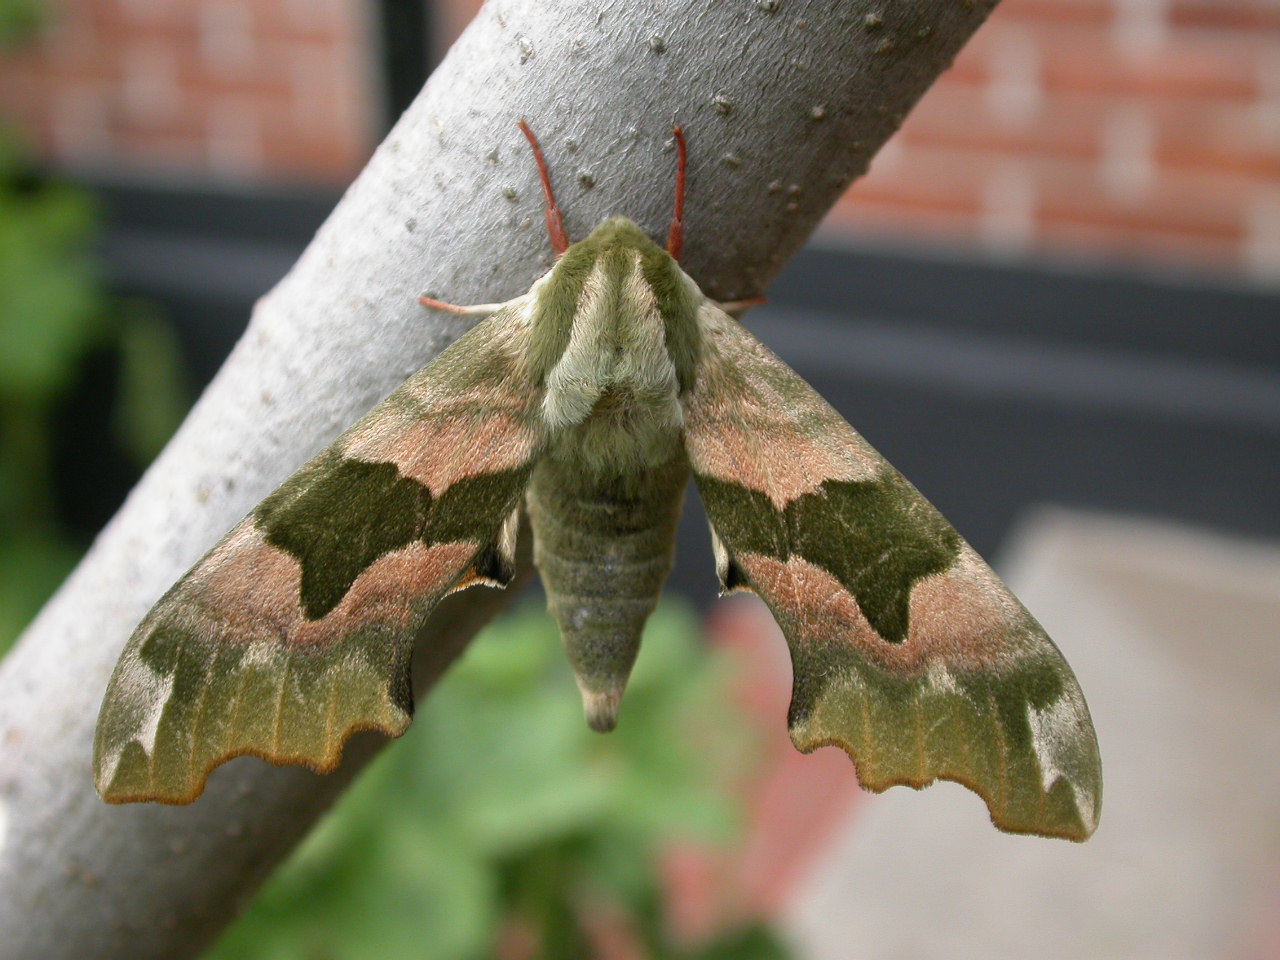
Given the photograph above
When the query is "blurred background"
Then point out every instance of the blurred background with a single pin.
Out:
(1054, 303)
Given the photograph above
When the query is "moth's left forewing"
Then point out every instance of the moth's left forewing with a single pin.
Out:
(908, 652)
(296, 629)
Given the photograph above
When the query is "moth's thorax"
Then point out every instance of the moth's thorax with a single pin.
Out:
(615, 341)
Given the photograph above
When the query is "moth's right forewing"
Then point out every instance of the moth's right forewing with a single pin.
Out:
(296, 630)
(908, 652)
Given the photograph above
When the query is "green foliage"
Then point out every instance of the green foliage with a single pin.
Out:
(500, 808)
(53, 310)
(50, 295)
(50, 311)
(18, 19)
(153, 393)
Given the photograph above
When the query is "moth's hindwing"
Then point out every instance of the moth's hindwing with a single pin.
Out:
(908, 652)
(296, 630)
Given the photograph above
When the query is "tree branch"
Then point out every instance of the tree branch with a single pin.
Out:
(783, 101)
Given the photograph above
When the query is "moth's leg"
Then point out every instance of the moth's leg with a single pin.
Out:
(736, 308)
(474, 310)
(675, 236)
(555, 219)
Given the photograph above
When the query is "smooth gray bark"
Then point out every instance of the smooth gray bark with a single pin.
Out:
(784, 102)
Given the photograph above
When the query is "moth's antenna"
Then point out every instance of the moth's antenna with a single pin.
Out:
(555, 220)
(675, 238)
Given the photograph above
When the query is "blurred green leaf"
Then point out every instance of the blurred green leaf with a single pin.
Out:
(754, 943)
(153, 393)
(50, 312)
(50, 300)
(19, 19)
(31, 568)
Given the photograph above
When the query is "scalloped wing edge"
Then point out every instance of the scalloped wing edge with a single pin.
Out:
(1066, 804)
(327, 764)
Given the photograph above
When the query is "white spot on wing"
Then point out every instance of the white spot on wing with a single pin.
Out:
(142, 685)
(1053, 731)
(721, 554)
(508, 536)
(259, 655)
(139, 685)
(940, 679)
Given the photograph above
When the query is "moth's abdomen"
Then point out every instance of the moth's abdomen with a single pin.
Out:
(603, 545)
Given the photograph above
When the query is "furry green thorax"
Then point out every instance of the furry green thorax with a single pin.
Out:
(615, 342)
(626, 277)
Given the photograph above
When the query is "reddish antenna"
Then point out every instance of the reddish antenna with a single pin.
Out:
(675, 237)
(555, 220)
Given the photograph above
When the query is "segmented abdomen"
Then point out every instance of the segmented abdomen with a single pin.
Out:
(603, 545)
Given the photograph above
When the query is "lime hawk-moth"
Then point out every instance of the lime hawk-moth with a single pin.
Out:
(589, 401)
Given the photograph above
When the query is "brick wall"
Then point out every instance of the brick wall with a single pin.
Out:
(1123, 130)
(199, 89)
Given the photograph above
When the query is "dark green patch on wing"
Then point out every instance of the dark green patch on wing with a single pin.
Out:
(877, 537)
(339, 515)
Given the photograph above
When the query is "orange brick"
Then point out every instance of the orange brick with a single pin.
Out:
(957, 114)
(183, 123)
(1232, 14)
(317, 161)
(162, 150)
(267, 84)
(869, 217)
(1191, 63)
(116, 25)
(1210, 205)
(1196, 209)
(949, 179)
(23, 81)
(339, 23)
(970, 65)
(1207, 134)
(1097, 13)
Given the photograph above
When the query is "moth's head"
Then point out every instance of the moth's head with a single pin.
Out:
(616, 233)
(613, 250)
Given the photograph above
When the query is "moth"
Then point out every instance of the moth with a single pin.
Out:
(589, 401)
